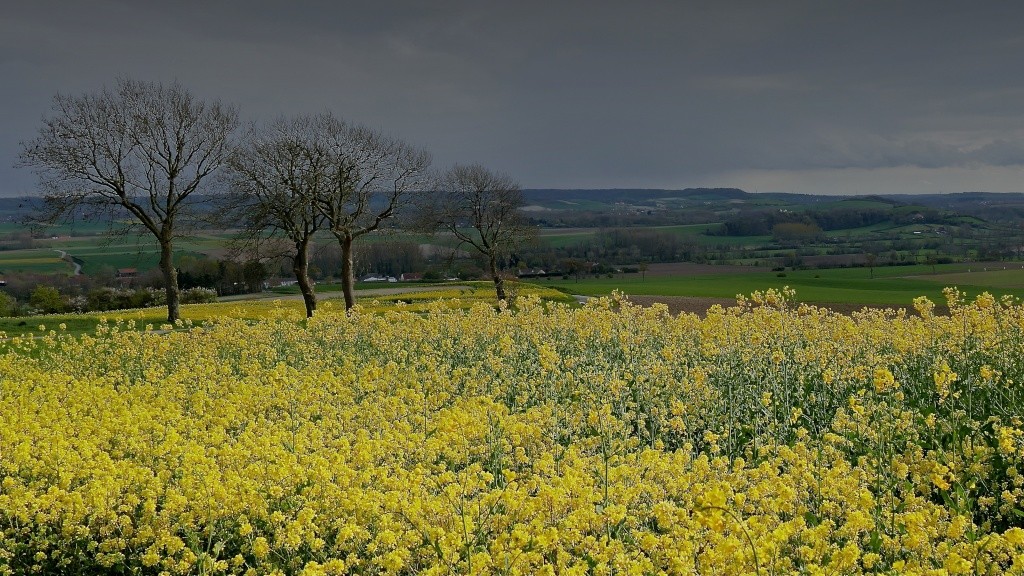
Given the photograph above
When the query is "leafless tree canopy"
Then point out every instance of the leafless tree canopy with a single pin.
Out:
(481, 209)
(141, 147)
(299, 175)
(373, 177)
(277, 175)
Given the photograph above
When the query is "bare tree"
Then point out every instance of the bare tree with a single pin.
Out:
(275, 175)
(481, 209)
(142, 148)
(373, 177)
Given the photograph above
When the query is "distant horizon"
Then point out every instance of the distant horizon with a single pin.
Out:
(640, 189)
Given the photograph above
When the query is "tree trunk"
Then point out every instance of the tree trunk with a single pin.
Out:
(499, 282)
(170, 280)
(348, 279)
(300, 266)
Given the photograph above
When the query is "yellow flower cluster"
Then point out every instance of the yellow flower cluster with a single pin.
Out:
(535, 439)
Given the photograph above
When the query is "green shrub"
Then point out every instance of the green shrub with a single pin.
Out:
(47, 300)
(8, 305)
(198, 296)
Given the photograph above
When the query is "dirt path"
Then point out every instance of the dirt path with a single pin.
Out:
(64, 256)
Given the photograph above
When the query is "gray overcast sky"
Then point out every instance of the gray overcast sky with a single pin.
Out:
(798, 96)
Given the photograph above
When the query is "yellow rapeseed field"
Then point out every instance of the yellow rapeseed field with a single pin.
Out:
(610, 439)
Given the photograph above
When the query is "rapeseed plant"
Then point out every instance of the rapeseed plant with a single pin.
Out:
(766, 438)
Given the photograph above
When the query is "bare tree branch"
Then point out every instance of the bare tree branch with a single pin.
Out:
(142, 147)
(275, 178)
(480, 208)
(372, 177)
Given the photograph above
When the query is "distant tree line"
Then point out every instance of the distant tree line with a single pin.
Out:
(17, 241)
(389, 257)
(51, 299)
(764, 223)
(225, 276)
(633, 245)
(635, 217)
(203, 279)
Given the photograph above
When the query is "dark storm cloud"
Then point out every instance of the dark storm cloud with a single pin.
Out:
(568, 94)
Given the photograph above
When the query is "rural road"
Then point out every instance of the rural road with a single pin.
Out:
(676, 304)
(337, 293)
(64, 256)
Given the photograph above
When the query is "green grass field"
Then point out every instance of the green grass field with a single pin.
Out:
(1009, 279)
(77, 228)
(890, 285)
(858, 232)
(36, 260)
(97, 253)
(558, 239)
(696, 233)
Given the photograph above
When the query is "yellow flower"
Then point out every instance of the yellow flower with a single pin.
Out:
(883, 380)
(260, 547)
(435, 438)
(943, 378)
(956, 564)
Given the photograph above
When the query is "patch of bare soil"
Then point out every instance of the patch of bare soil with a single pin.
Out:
(678, 304)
